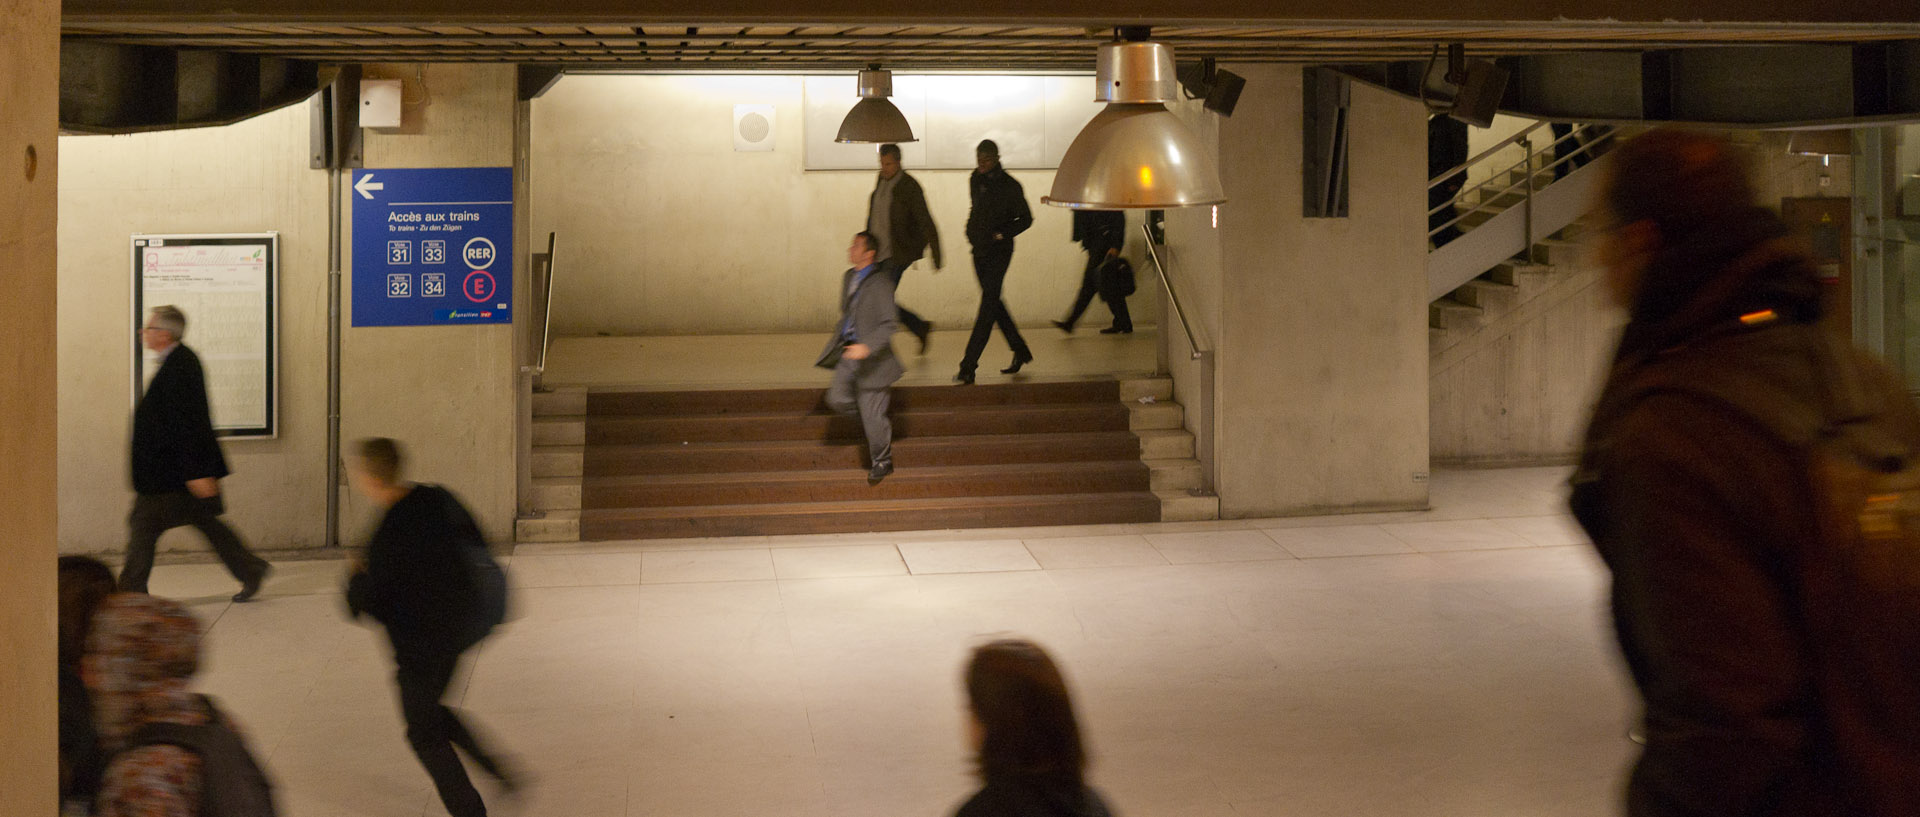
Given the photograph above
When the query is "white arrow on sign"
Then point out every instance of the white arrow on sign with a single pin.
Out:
(367, 185)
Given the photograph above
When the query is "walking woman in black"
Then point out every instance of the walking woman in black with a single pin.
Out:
(1025, 737)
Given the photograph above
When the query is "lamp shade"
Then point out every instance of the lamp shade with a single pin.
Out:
(873, 118)
(1135, 154)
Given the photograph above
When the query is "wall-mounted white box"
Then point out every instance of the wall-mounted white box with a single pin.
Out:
(380, 103)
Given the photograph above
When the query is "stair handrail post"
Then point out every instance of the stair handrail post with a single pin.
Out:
(1526, 144)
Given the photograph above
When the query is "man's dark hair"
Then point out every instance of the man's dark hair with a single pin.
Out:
(84, 582)
(890, 149)
(868, 240)
(1681, 181)
(381, 457)
(988, 147)
(1021, 701)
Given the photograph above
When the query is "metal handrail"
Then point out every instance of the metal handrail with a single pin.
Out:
(1525, 161)
(1173, 298)
(546, 310)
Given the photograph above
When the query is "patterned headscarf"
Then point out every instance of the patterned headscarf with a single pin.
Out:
(140, 655)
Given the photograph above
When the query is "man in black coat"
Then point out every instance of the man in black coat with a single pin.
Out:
(897, 217)
(177, 464)
(1101, 233)
(999, 213)
(422, 579)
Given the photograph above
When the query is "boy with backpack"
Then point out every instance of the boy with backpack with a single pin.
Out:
(427, 576)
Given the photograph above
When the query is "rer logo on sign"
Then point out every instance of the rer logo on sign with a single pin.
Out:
(479, 253)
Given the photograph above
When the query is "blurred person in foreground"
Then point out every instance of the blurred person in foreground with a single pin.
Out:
(84, 583)
(427, 576)
(1025, 738)
(1741, 480)
(174, 753)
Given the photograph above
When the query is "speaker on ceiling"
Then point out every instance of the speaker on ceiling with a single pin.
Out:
(1217, 88)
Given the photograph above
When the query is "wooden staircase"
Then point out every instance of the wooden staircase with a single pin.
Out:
(654, 464)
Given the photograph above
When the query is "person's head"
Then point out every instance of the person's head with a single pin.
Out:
(141, 654)
(1022, 716)
(986, 155)
(84, 582)
(860, 253)
(165, 326)
(1666, 188)
(377, 467)
(889, 161)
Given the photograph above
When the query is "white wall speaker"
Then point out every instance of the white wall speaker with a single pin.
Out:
(380, 103)
(753, 127)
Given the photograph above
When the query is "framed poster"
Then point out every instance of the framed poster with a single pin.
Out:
(228, 287)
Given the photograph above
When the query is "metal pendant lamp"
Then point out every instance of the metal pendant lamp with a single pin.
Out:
(874, 119)
(1135, 154)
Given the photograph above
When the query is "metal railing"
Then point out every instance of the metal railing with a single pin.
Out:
(1173, 298)
(543, 308)
(1588, 141)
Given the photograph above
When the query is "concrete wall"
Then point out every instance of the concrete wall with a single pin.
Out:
(248, 177)
(665, 229)
(447, 393)
(29, 83)
(1320, 394)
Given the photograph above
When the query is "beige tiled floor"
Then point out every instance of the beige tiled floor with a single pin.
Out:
(1448, 662)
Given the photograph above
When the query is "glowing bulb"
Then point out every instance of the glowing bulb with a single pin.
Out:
(1146, 176)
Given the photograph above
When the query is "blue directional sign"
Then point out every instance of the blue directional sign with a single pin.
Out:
(432, 246)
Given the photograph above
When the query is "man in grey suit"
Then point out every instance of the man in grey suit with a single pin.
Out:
(861, 352)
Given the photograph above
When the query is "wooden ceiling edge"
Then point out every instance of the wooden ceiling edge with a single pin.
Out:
(1232, 21)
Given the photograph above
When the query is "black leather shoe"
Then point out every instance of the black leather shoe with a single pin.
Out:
(964, 378)
(925, 333)
(879, 472)
(1018, 361)
(251, 587)
(1063, 326)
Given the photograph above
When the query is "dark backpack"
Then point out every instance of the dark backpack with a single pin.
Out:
(1116, 279)
(231, 782)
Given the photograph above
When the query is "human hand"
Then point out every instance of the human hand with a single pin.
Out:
(204, 487)
(857, 351)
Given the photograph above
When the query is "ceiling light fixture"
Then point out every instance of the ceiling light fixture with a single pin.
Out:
(874, 119)
(1135, 154)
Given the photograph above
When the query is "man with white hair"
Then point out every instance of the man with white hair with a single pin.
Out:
(177, 464)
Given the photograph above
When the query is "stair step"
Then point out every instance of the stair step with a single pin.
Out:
(560, 402)
(944, 421)
(1486, 295)
(870, 515)
(1514, 273)
(1180, 506)
(1158, 388)
(1176, 475)
(1449, 314)
(553, 526)
(556, 493)
(1156, 416)
(802, 401)
(1167, 444)
(911, 481)
(558, 461)
(559, 431)
(1557, 252)
(782, 455)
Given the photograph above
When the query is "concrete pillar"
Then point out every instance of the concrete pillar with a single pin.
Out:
(447, 393)
(1319, 326)
(30, 85)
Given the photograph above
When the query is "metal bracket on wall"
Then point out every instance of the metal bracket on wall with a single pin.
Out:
(333, 134)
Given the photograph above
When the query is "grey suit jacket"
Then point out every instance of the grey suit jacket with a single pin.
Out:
(873, 325)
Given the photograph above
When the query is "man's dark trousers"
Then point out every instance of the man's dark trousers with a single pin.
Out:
(990, 262)
(433, 729)
(155, 514)
(914, 323)
(1090, 286)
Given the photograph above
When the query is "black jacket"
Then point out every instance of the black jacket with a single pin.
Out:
(910, 223)
(1697, 488)
(1018, 798)
(417, 580)
(999, 207)
(173, 439)
(1100, 229)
